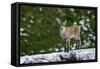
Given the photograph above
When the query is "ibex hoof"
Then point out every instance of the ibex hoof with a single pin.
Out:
(77, 48)
(66, 50)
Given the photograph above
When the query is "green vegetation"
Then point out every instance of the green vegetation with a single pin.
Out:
(39, 30)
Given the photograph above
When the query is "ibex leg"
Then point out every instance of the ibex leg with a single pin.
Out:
(68, 45)
(78, 44)
(65, 45)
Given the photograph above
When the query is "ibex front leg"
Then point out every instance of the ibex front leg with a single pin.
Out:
(66, 46)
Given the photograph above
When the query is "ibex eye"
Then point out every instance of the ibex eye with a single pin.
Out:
(61, 28)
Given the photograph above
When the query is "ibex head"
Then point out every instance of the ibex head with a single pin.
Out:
(61, 23)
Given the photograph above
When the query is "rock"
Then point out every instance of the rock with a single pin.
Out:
(82, 54)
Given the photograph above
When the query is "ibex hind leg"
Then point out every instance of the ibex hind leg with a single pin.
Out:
(67, 48)
(68, 45)
(77, 44)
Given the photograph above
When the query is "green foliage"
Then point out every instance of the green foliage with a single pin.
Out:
(39, 30)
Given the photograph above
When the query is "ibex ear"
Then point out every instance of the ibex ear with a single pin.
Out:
(58, 20)
(64, 23)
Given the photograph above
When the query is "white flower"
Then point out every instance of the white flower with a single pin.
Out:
(93, 16)
(31, 51)
(25, 40)
(87, 19)
(83, 16)
(93, 37)
(21, 29)
(89, 12)
(23, 34)
(90, 35)
(40, 9)
(71, 9)
(56, 49)
(74, 44)
(59, 10)
(87, 44)
(81, 22)
(31, 21)
(59, 44)
(50, 49)
(84, 41)
(84, 28)
(75, 23)
(28, 26)
(24, 19)
(42, 51)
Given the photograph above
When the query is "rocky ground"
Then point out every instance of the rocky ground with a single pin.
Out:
(82, 54)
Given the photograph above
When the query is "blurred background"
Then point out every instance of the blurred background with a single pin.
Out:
(39, 29)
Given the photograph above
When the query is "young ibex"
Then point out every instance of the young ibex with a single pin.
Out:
(67, 33)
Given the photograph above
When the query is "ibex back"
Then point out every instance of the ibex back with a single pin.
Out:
(67, 33)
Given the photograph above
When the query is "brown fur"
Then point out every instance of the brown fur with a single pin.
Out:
(67, 33)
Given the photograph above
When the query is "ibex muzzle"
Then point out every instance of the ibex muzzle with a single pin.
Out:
(67, 33)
